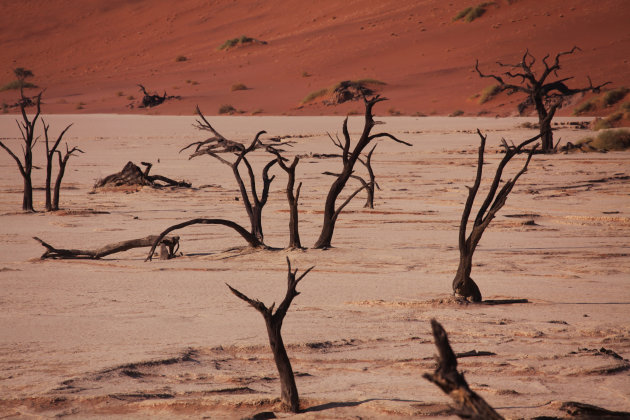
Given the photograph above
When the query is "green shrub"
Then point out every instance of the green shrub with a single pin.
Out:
(227, 109)
(181, 58)
(613, 96)
(238, 86)
(323, 92)
(610, 140)
(488, 93)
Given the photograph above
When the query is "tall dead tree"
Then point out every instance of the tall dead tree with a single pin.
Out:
(293, 196)
(52, 205)
(545, 96)
(463, 285)
(217, 145)
(448, 379)
(349, 158)
(27, 129)
(273, 321)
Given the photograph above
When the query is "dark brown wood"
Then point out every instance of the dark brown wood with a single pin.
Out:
(52, 196)
(27, 129)
(217, 145)
(452, 383)
(251, 239)
(546, 96)
(151, 100)
(131, 174)
(273, 321)
(463, 284)
(171, 242)
(349, 158)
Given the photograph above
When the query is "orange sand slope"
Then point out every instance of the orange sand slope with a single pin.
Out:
(89, 55)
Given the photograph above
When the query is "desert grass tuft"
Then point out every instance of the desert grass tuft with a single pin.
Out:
(314, 95)
(227, 109)
(610, 140)
(181, 58)
(456, 113)
(585, 107)
(473, 12)
(241, 40)
(488, 93)
(323, 92)
(608, 122)
(613, 96)
(238, 86)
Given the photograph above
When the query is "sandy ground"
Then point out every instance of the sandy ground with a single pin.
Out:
(166, 339)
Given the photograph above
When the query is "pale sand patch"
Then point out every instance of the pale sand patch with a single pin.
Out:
(166, 339)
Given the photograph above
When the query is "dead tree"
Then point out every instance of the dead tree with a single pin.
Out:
(151, 100)
(170, 246)
(27, 129)
(448, 379)
(545, 96)
(273, 321)
(217, 145)
(463, 285)
(349, 158)
(52, 205)
(293, 196)
(131, 174)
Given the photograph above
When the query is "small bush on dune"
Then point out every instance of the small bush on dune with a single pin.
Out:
(488, 93)
(608, 122)
(585, 107)
(227, 109)
(471, 13)
(314, 95)
(610, 140)
(181, 58)
(15, 85)
(238, 86)
(347, 84)
(241, 40)
(613, 96)
(457, 113)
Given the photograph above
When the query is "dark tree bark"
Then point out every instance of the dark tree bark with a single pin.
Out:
(463, 284)
(217, 145)
(27, 129)
(251, 239)
(369, 201)
(171, 242)
(131, 174)
(273, 321)
(349, 158)
(149, 101)
(52, 200)
(452, 383)
(545, 96)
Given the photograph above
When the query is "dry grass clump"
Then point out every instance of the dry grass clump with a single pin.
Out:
(608, 122)
(238, 86)
(241, 40)
(488, 93)
(609, 140)
(181, 58)
(471, 13)
(456, 113)
(363, 83)
(605, 100)
(227, 109)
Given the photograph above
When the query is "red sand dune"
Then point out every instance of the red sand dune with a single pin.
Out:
(89, 55)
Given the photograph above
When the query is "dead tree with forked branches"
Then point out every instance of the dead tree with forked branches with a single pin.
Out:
(27, 129)
(52, 200)
(448, 379)
(546, 96)
(463, 285)
(273, 321)
(293, 196)
(349, 158)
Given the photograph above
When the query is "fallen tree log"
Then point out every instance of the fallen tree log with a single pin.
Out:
(251, 239)
(170, 245)
(132, 175)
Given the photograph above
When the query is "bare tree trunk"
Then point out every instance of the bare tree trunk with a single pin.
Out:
(273, 321)
(463, 284)
(331, 212)
(171, 242)
(452, 383)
